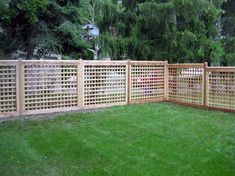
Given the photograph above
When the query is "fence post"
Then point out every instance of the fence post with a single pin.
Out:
(128, 82)
(80, 84)
(166, 77)
(20, 88)
(206, 85)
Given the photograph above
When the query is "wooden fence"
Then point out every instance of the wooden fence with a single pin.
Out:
(34, 87)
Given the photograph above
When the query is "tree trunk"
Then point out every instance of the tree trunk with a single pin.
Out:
(29, 52)
(31, 45)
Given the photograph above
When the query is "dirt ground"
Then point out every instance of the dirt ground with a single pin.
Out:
(46, 116)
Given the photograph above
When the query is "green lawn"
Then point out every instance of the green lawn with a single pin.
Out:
(149, 139)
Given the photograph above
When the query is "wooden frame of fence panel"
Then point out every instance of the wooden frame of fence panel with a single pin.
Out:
(105, 83)
(221, 87)
(21, 80)
(186, 83)
(18, 89)
(80, 84)
(52, 110)
(50, 62)
(148, 63)
(128, 80)
(104, 62)
(50, 86)
(147, 81)
(221, 69)
(197, 65)
(205, 88)
(8, 88)
(36, 87)
(166, 81)
(201, 106)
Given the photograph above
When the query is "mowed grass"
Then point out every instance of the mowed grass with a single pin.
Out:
(149, 139)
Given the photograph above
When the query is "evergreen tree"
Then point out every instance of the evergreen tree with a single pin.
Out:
(177, 30)
(228, 32)
(174, 30)
(44, 25)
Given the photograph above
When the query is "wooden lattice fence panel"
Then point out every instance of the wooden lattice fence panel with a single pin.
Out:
(186, 83)
(33, 87)
(8, 88)
(50, 86)
(146, 81)
(221, 93)
(105, 83)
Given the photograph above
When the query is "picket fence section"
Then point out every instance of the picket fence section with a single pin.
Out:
(34, 87)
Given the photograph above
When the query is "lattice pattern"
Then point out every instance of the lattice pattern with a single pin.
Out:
(222, 90)
(50, 86)
(147, 82)
(104, 84)
(185, 85)
(7, 89)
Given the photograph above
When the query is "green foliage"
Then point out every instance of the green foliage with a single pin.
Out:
(176, 30)
(30, 9)
(228, 32)
(45, 25)
(229, 57)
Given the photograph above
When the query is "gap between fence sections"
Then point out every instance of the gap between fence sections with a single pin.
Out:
(34, 87)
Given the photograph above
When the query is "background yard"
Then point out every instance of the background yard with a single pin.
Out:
(147, 139)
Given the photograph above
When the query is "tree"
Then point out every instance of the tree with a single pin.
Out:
(44, 25)
(180, 30)
(99, 12)
(228, 32)
(176, 30)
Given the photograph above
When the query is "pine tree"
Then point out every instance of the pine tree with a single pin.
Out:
(44, 25)
(228, 32)
(176, 30)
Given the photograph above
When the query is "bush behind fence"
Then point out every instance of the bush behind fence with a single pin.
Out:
(34, 87)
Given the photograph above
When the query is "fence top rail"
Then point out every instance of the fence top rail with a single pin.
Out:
(84, 62)
(221, 69)
(148, 62)
(58, 62)
(103, 62)
(197, 65)
(39, 62)
(8, 62)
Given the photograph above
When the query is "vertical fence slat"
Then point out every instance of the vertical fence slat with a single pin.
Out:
(128, 81)
(206, 85)
(80, 83)
(21, 87)
(166, 81)
(17, 89)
